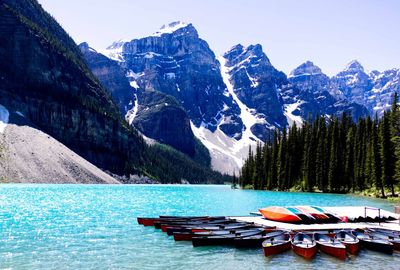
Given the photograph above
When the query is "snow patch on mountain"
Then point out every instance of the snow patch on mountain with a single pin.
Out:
(4, 116)
(249, 119)
(170, 28)
(131, 114)
(134, 84)
(288, 112)
(228, 154)
(114, 52)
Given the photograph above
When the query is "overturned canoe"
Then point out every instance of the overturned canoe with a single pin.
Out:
(281, 214)
(304, 246)
(304, 216)
(317, 214)
(332, 217)
(330, 246)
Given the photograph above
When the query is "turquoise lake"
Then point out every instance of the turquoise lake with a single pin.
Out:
(95, 227)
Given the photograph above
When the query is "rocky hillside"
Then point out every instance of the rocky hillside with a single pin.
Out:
(28, 155)
(44, 76)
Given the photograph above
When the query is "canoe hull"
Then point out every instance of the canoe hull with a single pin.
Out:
(337, 252)
(205, 241)
(379, 247)
(183, 236)
(276, 249)
(248, 243)
(396, 245)
(307, 253)
(279, 214)
(352, 247)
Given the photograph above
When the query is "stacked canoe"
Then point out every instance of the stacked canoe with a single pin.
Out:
(211, 231)
(300, 214)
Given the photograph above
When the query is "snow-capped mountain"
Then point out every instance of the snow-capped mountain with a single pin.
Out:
(384, 84)
(228, 102)
(152, 112)
(256, 84)
(353, 83)
(177, 62)
(309, 94)
(374, 89)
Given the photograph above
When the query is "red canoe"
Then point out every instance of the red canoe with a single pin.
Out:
(304, 246)
(313, 212)
(277, 244)
(277, 213)
(350, 241)
(330, 246)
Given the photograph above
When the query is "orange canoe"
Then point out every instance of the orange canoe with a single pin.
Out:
(278, 213)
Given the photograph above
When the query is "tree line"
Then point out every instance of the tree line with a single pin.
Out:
(330, 155)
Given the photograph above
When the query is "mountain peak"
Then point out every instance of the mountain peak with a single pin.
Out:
(354, 66)
(172, 27)
(307, 68)
(84, 46)
(256, 48)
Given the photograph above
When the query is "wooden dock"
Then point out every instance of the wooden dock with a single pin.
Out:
(352, 213)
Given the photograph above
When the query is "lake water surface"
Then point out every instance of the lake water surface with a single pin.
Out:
(95, 227)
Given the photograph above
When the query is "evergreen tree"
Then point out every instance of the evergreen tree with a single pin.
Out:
(282, 161)
(387, 153)
(377, 165)
(349, 160)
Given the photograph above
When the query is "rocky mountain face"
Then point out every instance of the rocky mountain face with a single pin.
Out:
(44, 77)
(374, 89)
(353, 83)
(384, 84)
(155, 114)
(231, 101)
(177, 62)
(355, 91)
(308, 95)
(256, 84)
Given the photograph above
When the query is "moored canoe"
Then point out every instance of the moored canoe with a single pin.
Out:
(187, 236)
(255, 241)
(369, 242)
(277, 244)
(221, 240)
(304, 246)
(204, 228)
(330, 246)
(391, 238)
(351, 242)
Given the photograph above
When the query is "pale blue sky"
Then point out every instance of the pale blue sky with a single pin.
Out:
(329, 33)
